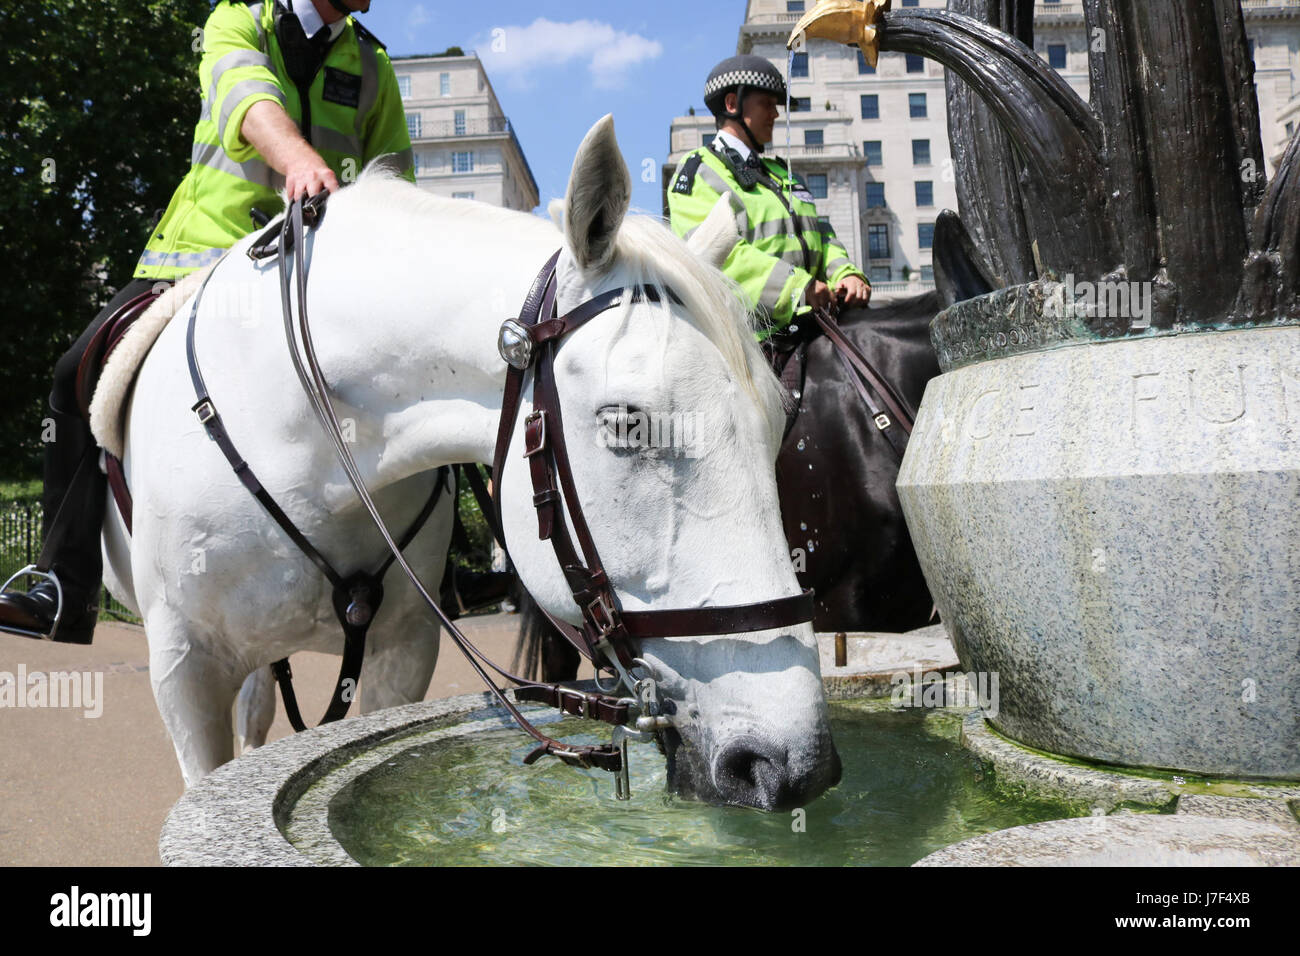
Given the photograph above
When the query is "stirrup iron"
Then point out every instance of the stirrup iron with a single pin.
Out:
(33, 571)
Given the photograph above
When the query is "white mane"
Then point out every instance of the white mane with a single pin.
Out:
(644, 245)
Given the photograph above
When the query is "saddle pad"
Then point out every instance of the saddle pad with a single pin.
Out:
(109, 402)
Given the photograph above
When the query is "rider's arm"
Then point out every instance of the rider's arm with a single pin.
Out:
(769, 283)
(276, 137)
(386, 132)
(246, 100)
(836, 265)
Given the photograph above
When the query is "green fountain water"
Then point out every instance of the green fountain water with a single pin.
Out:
(908, 789)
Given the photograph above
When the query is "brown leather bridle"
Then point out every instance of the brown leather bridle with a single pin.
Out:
(608, 632)
(530, 342)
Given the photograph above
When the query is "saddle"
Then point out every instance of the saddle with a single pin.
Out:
(110, 364)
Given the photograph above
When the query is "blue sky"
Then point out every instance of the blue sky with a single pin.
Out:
(566, 64)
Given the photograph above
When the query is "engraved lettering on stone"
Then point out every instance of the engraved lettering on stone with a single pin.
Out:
(1144, 392)
(975, 414)
(1023, 420)
(1198, 407)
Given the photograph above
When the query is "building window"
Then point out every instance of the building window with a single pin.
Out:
(914, 3)
(870, 106)
(817, 185)
(920, 152)
(881, 274)
(863, 65)
(915, 63)
(916, 103)
(462, 195)
(924, 193)
(458, 122)
(871, 149)
(927, 273)
(875, 195)
(462, 162)
(925, 235)
(813, 137)
(706, 139)
(415, 163)
(404, 85)
(878, 242)
(1056, 56)
(444, 84)
(413, 125)
(794, 6)
(799, 67)
(800, 104)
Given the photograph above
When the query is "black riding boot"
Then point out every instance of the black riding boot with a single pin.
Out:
(75, 485)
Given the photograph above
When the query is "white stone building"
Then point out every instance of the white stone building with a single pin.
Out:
(875, 144)
(463, 142)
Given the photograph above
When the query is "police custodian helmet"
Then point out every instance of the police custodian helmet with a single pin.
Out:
(741, 74)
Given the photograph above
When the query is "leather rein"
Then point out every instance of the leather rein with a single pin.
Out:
(607, 635)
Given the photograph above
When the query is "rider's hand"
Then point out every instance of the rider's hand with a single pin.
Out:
(817, 294)
(308, 175)
(853, 292)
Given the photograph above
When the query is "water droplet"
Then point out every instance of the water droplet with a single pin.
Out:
(811, 547)
(800, 446)
(797, 394)
(802, 526)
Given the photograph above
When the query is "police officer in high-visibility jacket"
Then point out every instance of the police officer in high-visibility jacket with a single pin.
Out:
(295, 96)
(787, 260)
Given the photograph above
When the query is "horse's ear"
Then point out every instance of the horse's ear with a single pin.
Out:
(600, 190)
(714, 238)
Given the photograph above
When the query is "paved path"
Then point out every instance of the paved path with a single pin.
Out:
(93, 791)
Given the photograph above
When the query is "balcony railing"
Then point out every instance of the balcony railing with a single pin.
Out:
(825, 151)
(492, 126)
(1067, 8)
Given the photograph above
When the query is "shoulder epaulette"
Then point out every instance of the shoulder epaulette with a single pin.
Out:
(364, 34)
(685, 182)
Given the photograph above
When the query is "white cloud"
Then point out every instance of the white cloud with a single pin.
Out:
(418, 16)
(517, 51)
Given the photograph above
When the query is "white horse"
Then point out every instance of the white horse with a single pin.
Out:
(406, 294)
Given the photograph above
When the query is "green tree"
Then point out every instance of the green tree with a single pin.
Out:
(98, 100)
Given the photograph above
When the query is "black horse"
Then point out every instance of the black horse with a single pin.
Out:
(835, 476)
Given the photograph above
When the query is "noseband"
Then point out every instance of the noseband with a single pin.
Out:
(528, 344)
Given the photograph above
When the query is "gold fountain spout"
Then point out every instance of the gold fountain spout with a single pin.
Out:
(844, 21)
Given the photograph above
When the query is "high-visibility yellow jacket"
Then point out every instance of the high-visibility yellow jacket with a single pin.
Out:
(783, 244)
(356, 116)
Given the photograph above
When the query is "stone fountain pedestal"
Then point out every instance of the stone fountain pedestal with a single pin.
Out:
(1113, 527)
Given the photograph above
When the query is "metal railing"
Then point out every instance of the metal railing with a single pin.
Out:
(20, 544)
(1071, 8)
(492, 126)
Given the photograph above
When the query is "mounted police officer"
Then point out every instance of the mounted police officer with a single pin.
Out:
(295, 95)
(787, 260)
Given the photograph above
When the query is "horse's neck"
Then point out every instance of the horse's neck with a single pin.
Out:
(411, 336)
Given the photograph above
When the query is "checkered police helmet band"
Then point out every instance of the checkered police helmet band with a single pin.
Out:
(750, 78)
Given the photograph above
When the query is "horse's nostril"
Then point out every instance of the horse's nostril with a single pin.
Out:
(755, 774)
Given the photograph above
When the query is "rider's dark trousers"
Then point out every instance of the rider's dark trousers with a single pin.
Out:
(77, 557)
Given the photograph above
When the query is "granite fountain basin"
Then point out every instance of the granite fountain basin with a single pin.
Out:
(1111, 527)
(442, 782)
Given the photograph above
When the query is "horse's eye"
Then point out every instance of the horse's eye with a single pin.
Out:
(622, 428)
